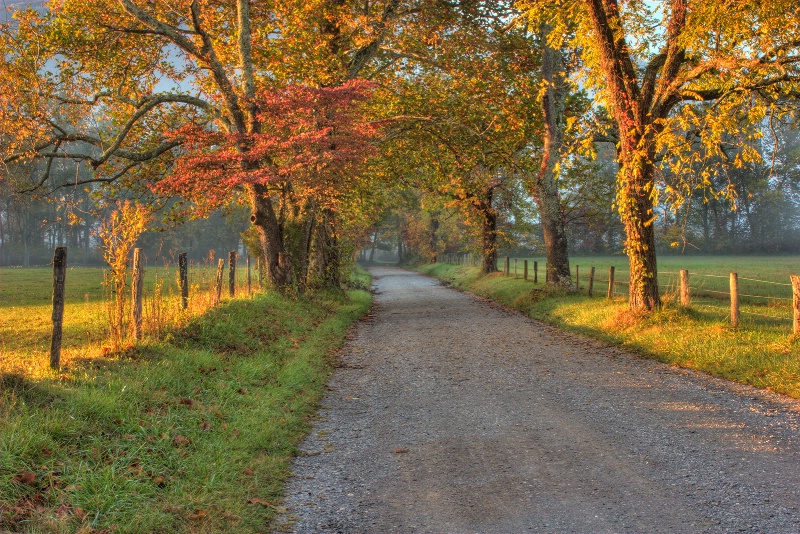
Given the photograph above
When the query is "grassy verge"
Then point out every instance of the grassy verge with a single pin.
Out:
(760, 352)
(191, 434)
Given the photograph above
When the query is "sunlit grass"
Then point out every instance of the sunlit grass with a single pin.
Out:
(762, 351)
(192, 432)
(708, 275)
(26, 308)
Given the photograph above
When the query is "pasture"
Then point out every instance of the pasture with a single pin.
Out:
(765, 291)
(26, 308)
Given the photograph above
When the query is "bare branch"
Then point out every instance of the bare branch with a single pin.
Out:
(205, 55)
(364, 54)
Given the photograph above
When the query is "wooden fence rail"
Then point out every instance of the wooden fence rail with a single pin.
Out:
(685, 294)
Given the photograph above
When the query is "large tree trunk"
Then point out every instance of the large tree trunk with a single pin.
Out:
(545, 186)
(374, 246)
(637, 121)
(555, 242)
(636, 208)
(297, 220)
(328, 250)
(489, 216)
(276, 260)
(433, 226)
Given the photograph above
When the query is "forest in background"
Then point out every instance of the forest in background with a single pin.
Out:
(419, 126)
(766, 220)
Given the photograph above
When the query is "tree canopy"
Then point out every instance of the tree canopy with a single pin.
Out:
(313, 114)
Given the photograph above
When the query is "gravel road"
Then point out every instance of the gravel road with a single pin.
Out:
(452, 414)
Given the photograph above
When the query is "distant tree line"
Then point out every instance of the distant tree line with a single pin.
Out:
(32, 226)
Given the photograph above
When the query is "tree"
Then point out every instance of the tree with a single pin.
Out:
(472, 119)
(545, 183)
(87, 62)
(742, 57)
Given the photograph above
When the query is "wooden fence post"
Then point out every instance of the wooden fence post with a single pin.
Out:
(515, 267)
(507, 269)
(536, 272)
(734, 300)
(796, 302)
(183, 278)
(611, 282)
(218, 287)
(249, 281)
(684, 289)
(232, 273)
(525, 270)
(591, 280)
(137, 278)
(59, 277)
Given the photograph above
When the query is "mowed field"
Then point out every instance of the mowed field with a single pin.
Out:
(764, 282)
(26, 310)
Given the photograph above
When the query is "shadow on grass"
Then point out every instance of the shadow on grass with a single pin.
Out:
(33, 392)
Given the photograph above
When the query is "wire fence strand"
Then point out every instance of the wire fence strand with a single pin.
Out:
(700, 289)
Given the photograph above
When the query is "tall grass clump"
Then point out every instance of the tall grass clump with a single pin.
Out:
(118, 233)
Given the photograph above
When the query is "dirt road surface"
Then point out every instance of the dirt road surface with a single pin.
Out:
(452, 414)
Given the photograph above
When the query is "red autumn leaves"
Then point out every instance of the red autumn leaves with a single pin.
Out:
(308, 135)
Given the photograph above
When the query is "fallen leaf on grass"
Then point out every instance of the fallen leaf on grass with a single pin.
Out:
(197, 514)
(186, 401)
(181, 440)
(247, 471)
(159, 481)
(63, 509)
(256, 500)
(79, 513)
(25, 478)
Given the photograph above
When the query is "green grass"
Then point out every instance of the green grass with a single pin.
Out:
(26, 308)
(761, 351)
(764, 285)
(193, 433)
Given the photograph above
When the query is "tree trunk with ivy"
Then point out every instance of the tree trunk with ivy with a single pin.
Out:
(489, 232)
(636, 209)
(264, 219)
(545, 185)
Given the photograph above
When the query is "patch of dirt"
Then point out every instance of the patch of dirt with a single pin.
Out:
(451, 414)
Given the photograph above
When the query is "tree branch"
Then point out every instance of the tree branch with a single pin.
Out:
(205, 55)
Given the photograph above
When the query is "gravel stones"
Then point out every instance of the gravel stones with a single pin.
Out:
(452, 414)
